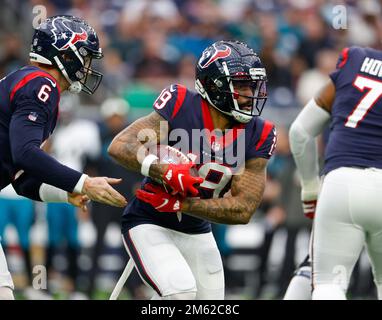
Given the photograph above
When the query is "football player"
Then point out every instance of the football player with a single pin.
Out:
(176, 254)
(61, 55)
(347, 210)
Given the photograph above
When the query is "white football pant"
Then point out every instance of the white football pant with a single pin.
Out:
(348, 215)
(177, 265)
(5, 276)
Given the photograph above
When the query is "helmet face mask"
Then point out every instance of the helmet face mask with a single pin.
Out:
(70, 44)
(234, 82)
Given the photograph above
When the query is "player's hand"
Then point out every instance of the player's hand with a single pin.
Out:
(99, 189)
(180, 179)
(79, 200)
(159, 198)
(309, 204)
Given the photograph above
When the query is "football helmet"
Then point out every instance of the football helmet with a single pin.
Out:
(225, 65)
(70, 44)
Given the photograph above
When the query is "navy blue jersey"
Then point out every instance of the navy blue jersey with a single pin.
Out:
(29, 100)
(355, 138)
(218, 155)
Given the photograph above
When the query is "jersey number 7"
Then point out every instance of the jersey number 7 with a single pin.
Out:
(367, 102)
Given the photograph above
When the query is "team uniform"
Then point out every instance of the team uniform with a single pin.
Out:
(29, 101)
(177, 252)
(348, 208)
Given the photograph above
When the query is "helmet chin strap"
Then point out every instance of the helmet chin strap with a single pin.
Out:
(75, 86)
(240, 117)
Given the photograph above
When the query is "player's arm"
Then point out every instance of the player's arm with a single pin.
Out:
(311, 121)
(26, 131)
(246, 193)
(131, 146)
(237, 208)
(27, 186)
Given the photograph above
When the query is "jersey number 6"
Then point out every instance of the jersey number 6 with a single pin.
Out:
(43, 94)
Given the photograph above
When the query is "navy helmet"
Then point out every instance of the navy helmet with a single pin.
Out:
(218, 70)
(68, 43)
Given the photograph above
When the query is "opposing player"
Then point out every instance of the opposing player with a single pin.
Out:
(61, 56)
(176, 254)
(348, 208)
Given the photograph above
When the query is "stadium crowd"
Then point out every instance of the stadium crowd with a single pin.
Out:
(147, 46)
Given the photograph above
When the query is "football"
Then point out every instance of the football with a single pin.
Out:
(168, 154)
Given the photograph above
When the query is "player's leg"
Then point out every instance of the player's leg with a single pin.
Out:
(55, 221)
(159, 262)
(371, 219)
(203, 257)
(300, 287)
(6, 282)
(23, 215)
(375, 253)
(337, 239)
(73, 247)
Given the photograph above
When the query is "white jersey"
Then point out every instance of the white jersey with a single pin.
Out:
(75, 141)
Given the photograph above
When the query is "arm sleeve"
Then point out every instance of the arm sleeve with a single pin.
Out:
(29, 125)
(308, 125)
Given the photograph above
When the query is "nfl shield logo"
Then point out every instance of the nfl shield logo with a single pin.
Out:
(33, 116)
(215, 146)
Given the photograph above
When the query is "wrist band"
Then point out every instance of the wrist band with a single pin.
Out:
(146, 163)
(50, 193)
(80, 184)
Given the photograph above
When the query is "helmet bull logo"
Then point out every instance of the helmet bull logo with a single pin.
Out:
(64, 35)
(208, 57)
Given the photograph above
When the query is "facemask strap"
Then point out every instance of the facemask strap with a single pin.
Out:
(226, 71)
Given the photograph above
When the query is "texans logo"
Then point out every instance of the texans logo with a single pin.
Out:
(64, 35)
(207, 58)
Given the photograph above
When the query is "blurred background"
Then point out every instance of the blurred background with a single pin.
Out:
(149, 45)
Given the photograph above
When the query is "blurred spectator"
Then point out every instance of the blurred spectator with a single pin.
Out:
(313, 79)
(19, 211)
(114, 113)
(11, 57)
(316, 37)
(75, 141)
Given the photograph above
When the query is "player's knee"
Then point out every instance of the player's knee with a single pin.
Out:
(181, 296)
(211, 272)
(328, 292)
(6, 293)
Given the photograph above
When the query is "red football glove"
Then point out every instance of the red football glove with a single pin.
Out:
(309, 208)
(159, 198)
(179, 178)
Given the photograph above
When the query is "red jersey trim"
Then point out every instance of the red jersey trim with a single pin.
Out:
(268, 126)
(30, 77)
(225, 140)
(345, 56)
(182, 90)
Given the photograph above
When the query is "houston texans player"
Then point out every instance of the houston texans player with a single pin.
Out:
(61, 54)
(347, 213)
(176, 254)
